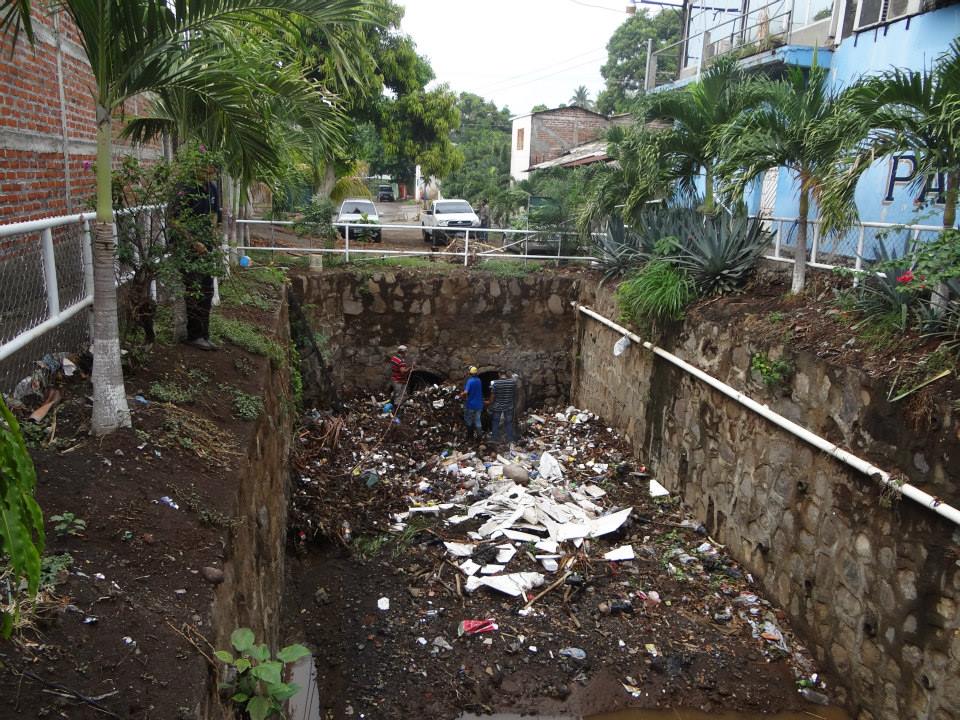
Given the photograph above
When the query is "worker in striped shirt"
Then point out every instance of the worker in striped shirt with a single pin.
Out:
(503, 396)
(399, 375)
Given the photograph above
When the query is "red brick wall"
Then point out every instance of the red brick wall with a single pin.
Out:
(556, 131)
(37, 177)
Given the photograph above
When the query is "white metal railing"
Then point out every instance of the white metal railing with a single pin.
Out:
(55, 314)
(469, 235)
(851, 245)
(770, 23)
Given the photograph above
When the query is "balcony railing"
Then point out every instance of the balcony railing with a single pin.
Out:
(759, 29)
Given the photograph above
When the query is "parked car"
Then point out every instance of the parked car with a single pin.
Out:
(385, 193)
(446, 219)
(362, 211)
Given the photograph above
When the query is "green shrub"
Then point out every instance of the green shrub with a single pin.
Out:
(258, 686)
(21, 532)
(658, 291)
(773, 372)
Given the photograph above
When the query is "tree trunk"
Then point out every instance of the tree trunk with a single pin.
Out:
(941, 293)
(707, 189)
(329, 180)
(800, 254)
(109, 395)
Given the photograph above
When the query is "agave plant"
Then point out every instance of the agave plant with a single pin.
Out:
(720, 251)
(620, 248)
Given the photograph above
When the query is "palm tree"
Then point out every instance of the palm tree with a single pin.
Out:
(915, 111)
(697, 114)
(802, 126)
(581, 98)
(135, 47)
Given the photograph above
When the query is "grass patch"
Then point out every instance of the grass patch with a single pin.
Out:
(509, 268)
(245, 405)
(169, 391)
(246, 336)
(367, 547)
(658, 291)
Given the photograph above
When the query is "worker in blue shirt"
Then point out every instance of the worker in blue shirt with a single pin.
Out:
(473, 407)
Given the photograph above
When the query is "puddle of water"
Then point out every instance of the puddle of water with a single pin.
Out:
(305, 705)
(816, 712)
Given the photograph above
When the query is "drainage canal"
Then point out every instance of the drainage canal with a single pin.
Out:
(434, 576)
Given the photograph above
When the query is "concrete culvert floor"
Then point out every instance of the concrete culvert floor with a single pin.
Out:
(402, 531)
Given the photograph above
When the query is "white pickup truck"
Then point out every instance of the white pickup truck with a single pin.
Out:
(447, 218)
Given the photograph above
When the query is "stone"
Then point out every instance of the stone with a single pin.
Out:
(908, 584)
(920, 463)
(862, 545)
(555, 305)
(212, 575)
(516, 473)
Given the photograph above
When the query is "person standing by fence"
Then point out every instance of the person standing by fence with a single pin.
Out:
(484, 216)
(195, 211)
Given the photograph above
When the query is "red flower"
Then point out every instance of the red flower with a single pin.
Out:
(907, 277)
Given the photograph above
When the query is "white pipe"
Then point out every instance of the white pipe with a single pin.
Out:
(914, 493)
(8, 349)
(409, 253)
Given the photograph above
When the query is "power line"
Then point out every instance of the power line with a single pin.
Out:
(518, 76)
(598, 7)
(542, 77)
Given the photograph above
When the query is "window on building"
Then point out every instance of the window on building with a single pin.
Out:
(520, 139)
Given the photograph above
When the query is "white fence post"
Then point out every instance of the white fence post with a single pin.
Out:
(50, 273)
(346, 246)
(858, 262)
(814, 246)
(466, 247)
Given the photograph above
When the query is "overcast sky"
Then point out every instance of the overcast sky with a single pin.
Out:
(518, 53)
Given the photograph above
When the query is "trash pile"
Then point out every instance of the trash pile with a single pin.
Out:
(559, 547)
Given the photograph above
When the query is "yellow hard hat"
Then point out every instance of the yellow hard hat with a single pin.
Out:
(473, 370)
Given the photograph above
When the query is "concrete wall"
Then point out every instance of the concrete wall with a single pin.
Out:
(449, 322)
(520, 156)
(874, 590)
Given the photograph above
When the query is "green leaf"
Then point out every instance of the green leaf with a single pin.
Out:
(260, 653)
(292, 653)
(283, 691)
(242, 665)
(269, 672)
(242, 639)
(259, 708)
(224, 657)
(240, 697)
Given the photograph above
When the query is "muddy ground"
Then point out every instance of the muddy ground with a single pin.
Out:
(120, 624)
(696, 646)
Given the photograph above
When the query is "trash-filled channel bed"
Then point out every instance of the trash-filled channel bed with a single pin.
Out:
(435, 576)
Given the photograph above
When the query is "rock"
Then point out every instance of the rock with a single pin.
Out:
(516, 473)
(149, 539)
(321, 596)
(212, 575)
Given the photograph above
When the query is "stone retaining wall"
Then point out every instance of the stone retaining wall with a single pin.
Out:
(449, 321)
(872, 583)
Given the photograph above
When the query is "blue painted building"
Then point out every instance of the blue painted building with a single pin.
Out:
(852, 38)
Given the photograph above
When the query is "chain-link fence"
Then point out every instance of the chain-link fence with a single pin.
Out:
(858, 247)
(42, 285)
